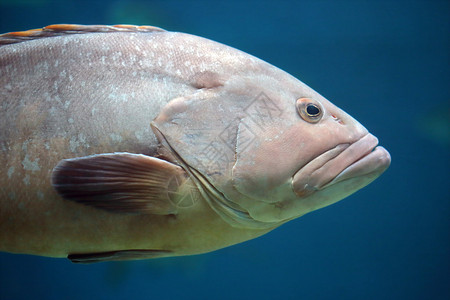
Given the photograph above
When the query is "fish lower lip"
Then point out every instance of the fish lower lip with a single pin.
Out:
(358, 159)
(376, 162)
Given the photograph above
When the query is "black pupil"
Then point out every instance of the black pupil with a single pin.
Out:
(312, 110)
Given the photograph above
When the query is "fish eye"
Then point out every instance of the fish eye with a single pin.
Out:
(312, 110)
(309, 110)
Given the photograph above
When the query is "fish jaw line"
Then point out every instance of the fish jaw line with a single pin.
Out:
(371, 165)
(343, 162)
(301, 180)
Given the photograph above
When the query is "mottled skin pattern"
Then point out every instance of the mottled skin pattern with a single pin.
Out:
(77, 95)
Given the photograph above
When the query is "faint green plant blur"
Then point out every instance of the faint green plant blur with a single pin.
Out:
(136, 13)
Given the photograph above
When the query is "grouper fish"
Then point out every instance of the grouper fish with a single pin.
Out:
(130, 142)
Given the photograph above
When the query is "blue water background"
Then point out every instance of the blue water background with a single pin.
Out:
(384, 62)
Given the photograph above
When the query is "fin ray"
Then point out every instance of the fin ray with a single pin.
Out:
(66, 29)
(119, 182)
(88, 258)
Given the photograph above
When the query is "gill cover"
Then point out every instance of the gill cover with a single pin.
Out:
(210, 131)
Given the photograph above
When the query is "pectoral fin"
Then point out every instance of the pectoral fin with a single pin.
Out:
(116, 256)
(119, 182)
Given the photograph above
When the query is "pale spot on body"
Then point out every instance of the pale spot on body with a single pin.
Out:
(40, 195)
(31, 165)
(10, 172)
(26, 179)
(8, 87)
(115, 137)
(53, 111)
(77, 141)
(141, 134)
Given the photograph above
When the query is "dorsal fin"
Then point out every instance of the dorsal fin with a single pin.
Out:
(63, 29)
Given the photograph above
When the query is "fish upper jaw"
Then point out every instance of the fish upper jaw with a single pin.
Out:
(343, 162)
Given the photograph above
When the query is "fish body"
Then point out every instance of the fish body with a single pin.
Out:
(133, 142)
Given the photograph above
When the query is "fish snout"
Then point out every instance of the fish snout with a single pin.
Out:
(353, 129)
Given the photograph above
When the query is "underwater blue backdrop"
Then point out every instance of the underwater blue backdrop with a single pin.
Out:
(387, 63)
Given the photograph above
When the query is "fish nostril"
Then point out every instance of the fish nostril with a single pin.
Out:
(337, 119)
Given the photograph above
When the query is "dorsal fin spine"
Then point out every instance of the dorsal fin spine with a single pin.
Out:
(62, 29)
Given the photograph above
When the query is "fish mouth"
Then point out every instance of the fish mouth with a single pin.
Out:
(363, 158)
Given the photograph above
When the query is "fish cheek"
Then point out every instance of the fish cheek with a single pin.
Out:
(265, 166)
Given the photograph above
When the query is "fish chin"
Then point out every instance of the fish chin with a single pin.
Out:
(343, 169)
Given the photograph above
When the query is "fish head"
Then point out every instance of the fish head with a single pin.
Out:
(307, 154)
(265, 148)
